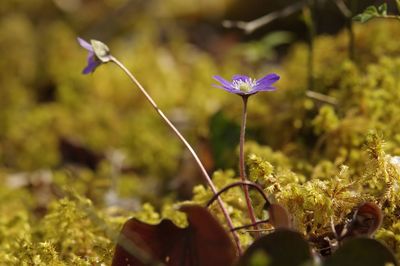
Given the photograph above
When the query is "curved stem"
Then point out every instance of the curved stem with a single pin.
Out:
(242, 165)
(243, 184)
(184, 141)
(250, 225)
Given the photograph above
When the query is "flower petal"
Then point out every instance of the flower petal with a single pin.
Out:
(240, 77)
(91, 57)
(263, 84)
(223, 81)
(228, 89)
(268, 80)
(85, 44)
(91, 67)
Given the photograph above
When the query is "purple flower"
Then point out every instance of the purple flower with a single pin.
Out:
(98, 54)
(244, 85)
(92, 61)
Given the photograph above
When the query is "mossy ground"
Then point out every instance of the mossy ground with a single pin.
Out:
(319, 160)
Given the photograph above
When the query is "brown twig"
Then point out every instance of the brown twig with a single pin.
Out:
(251, 26)
(241, 183)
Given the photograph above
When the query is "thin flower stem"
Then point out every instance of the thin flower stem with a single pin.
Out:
(184, 141)
(242, 165)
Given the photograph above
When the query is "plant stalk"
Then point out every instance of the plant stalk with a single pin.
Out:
(242, 183)
(184, 141)
(242, 169)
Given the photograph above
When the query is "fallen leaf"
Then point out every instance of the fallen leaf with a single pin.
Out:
(203, 243)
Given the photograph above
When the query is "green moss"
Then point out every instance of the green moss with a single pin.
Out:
(326, 120)
(68, 235)
(318, 159)
(391, 237)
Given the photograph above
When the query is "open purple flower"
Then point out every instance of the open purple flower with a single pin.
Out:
(98, 54)
(244, 85)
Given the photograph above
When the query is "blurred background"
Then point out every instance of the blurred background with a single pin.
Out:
(96, 133)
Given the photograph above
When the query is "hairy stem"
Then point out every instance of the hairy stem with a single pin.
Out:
(242, 169)
(184, 141)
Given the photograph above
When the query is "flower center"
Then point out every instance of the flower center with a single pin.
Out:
(244, 85)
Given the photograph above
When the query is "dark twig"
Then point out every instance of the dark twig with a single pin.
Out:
(343, 8)
(240, 183)
(347, 13)
(250, 225)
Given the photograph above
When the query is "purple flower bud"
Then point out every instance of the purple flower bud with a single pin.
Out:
(98, 54)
